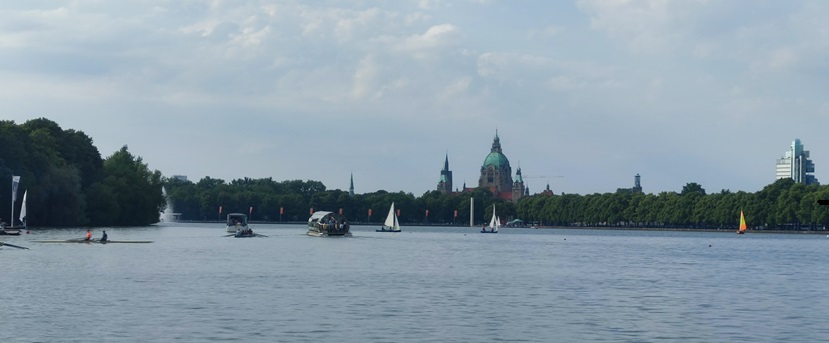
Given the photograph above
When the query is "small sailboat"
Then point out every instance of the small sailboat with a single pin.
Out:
(391, 222)
(493, 223)
(743, 228)
(23, 209)
(11, 229)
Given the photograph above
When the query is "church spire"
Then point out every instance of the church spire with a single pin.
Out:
(351, 187)
(446, 162)
(496, 143)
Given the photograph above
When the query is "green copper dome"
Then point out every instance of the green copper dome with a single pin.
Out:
(496, 159)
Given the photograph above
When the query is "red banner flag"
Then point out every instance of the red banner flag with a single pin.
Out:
(427, 213)
(220, 210)
(341, 211)
(251, 210)
(369, 212)
(312, 211)
(456, 213)
(281, 210)
(398, 212)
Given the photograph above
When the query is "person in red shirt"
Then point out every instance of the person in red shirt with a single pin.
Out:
(88, 235)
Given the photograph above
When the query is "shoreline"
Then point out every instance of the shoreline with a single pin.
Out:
(750, 231)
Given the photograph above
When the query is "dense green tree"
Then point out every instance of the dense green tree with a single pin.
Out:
(135, 187)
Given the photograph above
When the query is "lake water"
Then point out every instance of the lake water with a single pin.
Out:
(421, 285)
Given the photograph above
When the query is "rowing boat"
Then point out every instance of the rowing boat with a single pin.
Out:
(90, 241)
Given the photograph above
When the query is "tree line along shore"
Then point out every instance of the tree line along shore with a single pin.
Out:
(70, 184)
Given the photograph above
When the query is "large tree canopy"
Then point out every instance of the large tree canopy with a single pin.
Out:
(68, 183)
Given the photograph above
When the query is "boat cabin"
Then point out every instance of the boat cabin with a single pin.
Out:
(237, 218)
(324, 223)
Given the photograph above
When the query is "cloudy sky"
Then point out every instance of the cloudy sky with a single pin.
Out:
(584, 94)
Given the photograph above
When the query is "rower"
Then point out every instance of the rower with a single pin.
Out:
(88, 235)
(104, 237)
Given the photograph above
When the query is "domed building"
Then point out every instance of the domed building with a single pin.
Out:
(496, 175)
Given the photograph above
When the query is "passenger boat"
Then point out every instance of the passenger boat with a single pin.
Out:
(324, 223)
(236, 222)
(391, 222)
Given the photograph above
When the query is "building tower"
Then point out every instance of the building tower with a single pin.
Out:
(548, 191)
(796, 165)
(496, 173)
(637, 187)
(445, 183)
(518, 189)
(351, 187)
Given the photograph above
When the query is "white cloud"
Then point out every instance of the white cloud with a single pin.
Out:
(364, 78)
(437, 36)
(663, 70)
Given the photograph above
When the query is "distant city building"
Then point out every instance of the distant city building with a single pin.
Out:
(496, 176)
(180, 177)
(796, 165)
(548, 191)
(637, 186)
(445, 183)
(518, 188)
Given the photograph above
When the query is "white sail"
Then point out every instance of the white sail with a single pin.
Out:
(492, 221)
(497, 223)
(23, 208)
(391, 219)
(396, 223)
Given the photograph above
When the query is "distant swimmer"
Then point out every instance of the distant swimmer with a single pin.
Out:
(88, 235)
(104, 237)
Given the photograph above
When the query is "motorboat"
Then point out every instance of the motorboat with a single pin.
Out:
(236, 222)
(324, 223)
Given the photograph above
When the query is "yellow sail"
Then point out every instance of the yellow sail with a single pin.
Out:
(742, 222)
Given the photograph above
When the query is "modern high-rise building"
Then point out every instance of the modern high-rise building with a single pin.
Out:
(796, 165)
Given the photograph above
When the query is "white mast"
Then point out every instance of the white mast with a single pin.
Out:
(471, 212)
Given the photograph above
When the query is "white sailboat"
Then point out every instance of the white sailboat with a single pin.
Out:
(10, 228)
(493, 223)
(23, 209)
(391, 222)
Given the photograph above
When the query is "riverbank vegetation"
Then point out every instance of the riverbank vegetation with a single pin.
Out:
(69, 184)
(781, 205)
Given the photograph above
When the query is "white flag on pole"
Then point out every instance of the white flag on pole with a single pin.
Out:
(15, 181)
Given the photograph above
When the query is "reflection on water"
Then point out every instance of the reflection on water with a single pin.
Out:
(420, 285)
